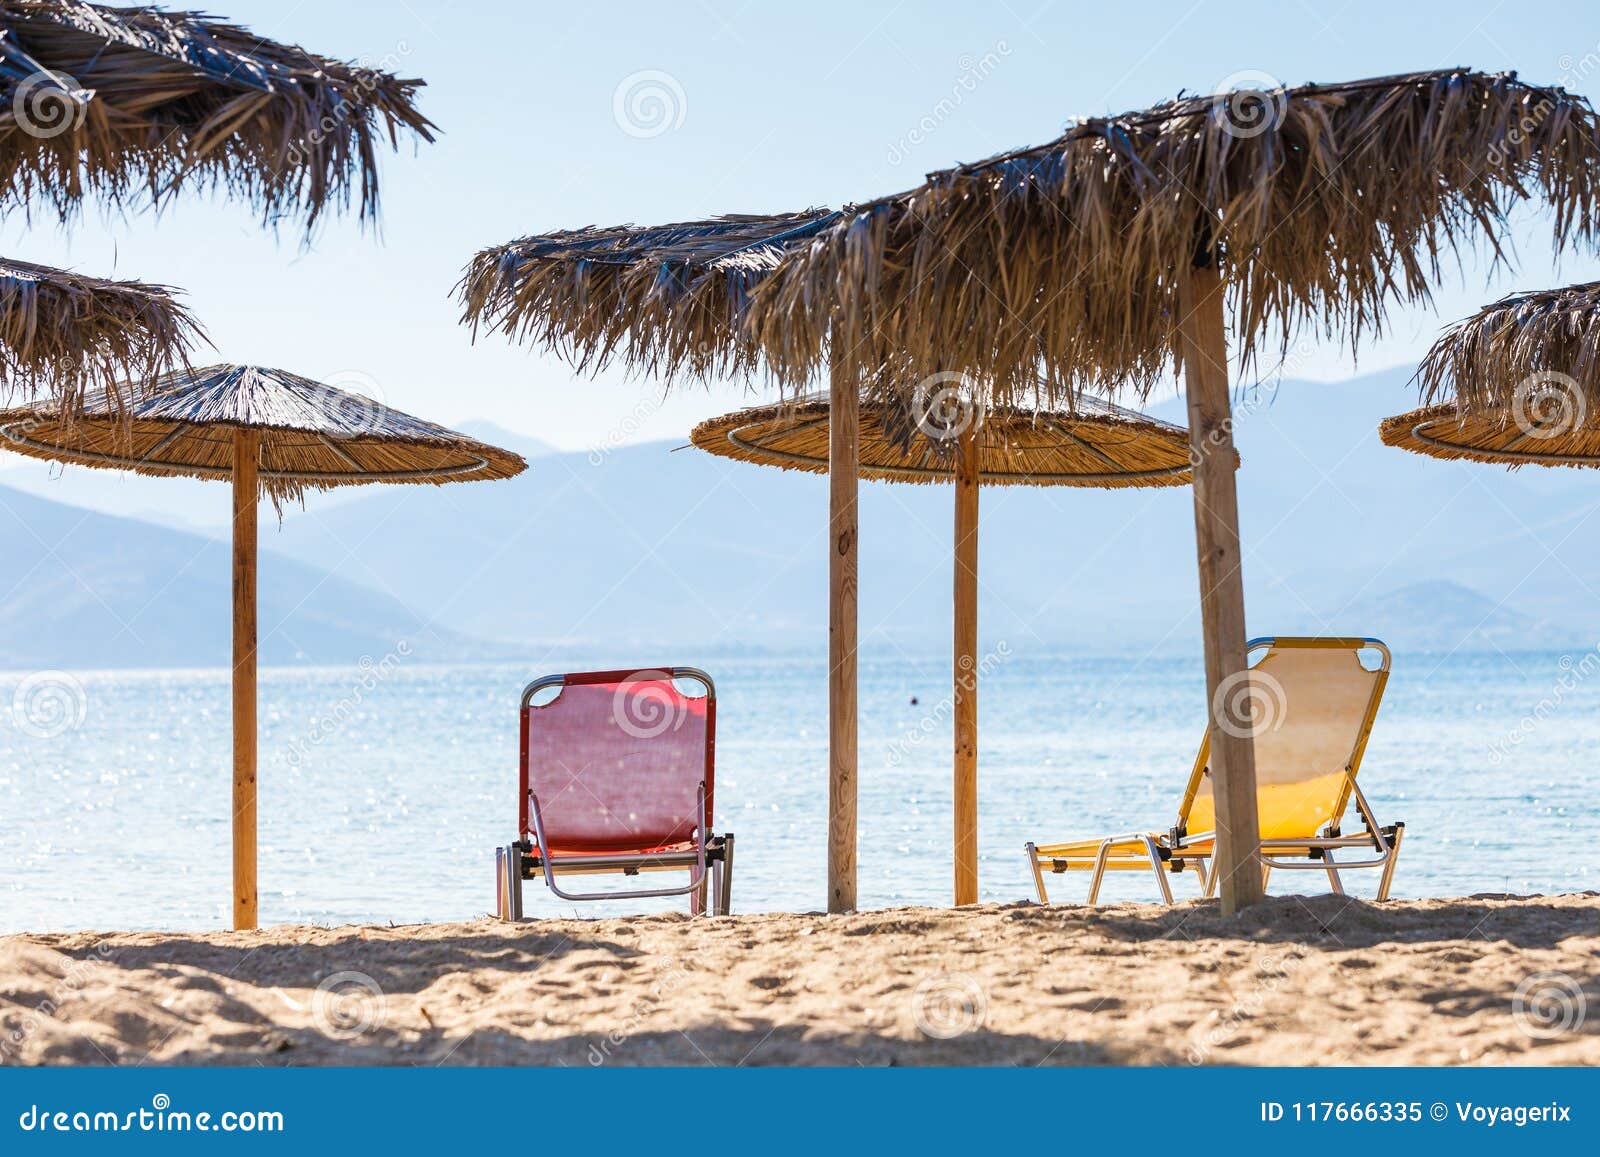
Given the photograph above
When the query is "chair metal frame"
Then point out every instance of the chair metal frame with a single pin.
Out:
(1168, 853)
(709, 861)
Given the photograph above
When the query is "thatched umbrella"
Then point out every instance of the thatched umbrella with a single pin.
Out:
(1111, 253)
(1517, 383)
(669, 300)
(666, 299)
(268, 432)
(118, 101)
(1095, 444)
(62, 332)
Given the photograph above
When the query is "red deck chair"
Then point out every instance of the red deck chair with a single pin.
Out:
(616, 776)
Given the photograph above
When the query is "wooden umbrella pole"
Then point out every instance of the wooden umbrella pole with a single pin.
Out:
(245, 464)
(844, 423)
(966, 668)
(1216, 525)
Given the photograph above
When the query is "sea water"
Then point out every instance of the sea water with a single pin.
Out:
(385, 788)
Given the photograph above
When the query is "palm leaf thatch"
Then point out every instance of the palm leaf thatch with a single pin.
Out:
(1060, 264)
(114, 102)
(1096, 444)
(1516, 383)
(666, 299)
(312, 436)
(62, 333)
(1490, 360)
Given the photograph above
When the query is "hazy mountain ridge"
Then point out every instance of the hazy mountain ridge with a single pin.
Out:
(82, 589)
(644, 551)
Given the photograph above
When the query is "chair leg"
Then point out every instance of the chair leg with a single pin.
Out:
(508, 883)
(1333, 873)
(1038, 876)
(697, 898)
(1394, 856)
(1213, 873)
(1266, 875)
(722, 897)
(501, 904)
(1158, 868)
(1200, 872)
(1099, 873)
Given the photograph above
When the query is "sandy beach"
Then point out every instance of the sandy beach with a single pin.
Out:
(1321, 980)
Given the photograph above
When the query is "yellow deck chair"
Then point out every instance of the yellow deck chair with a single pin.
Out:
(1314, 703)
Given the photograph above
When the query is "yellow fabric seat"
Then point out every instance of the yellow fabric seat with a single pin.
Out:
(1311, 705)
(1089, 849)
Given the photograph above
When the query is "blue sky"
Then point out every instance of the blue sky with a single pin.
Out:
(770, 107)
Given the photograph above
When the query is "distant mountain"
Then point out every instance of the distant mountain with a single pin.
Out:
(81, 589)
(642, 551)
(1440, 616)
(486, 431)
(186, 503)
(644, 548)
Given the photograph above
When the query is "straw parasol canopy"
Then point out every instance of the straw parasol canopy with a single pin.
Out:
(1094, 444)
(267, 432)
(1057, 267)
(1123, 247)
(121, 101)
(1517, 383)
(667, 299)
(62, 333)
(1522, 342)
(1444, 431)
(311, 436)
